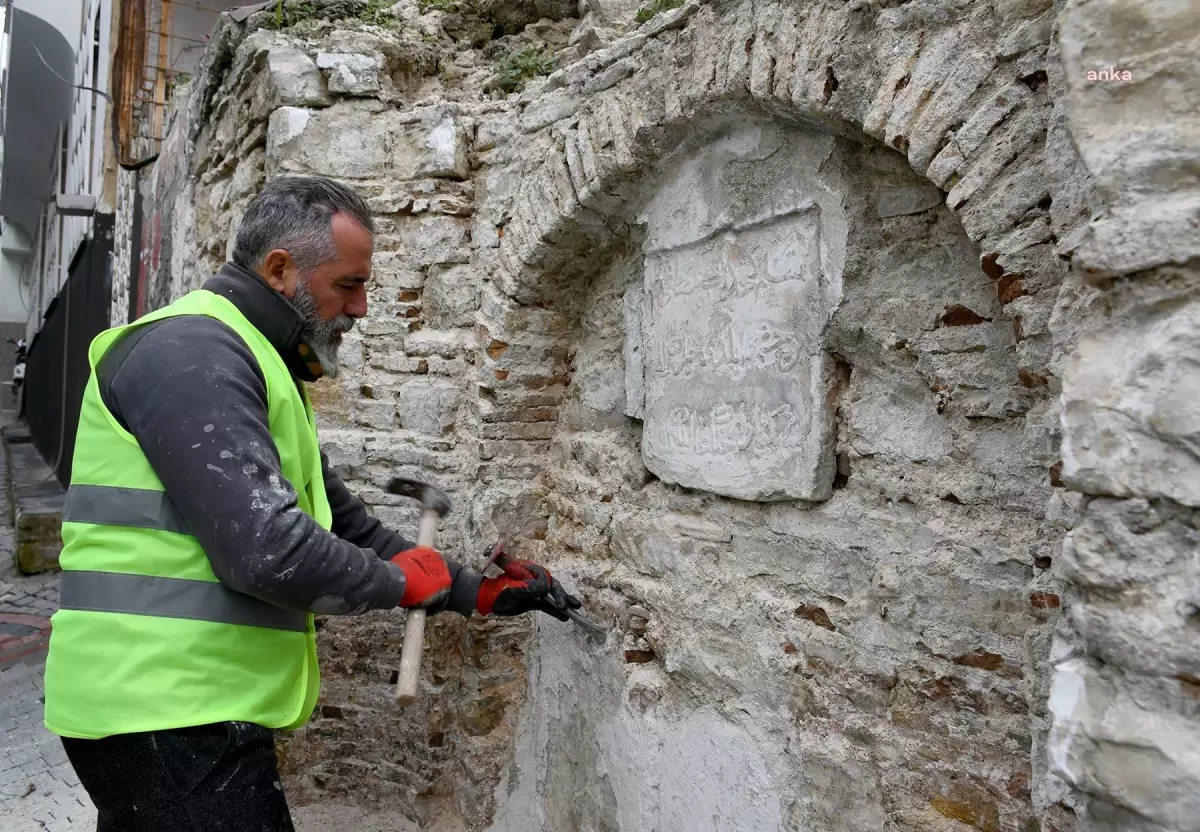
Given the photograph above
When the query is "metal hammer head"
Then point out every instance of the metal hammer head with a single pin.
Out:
(430, 496)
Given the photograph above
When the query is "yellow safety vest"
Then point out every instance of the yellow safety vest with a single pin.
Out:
(147, 638)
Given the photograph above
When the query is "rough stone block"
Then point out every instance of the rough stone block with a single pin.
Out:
(895, 202)
(451, 296)
(427, 342)
(393, 270)
(1111, 745)
(897, 415)
(644, 544)
(350, 74)
(428, 406)
(293, 80)
(1139, 138)
(1131, 422)
(518, 449)
(433, 145)
(549, 108)
(37, 506)
(1134, 608)
(376, 415)
(344, 449)
(436, 239)
(452, 367)
(39, 541)
(1026, 35)
(349, 140)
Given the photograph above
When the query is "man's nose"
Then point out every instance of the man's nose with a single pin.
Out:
(357, 305)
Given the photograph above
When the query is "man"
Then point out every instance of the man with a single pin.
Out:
(204, 527)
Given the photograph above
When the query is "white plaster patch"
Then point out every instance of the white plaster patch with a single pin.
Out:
(349, 73)
(705, 772)
(295, 120)
(285, 126)
(443, 142)
(1066, 694)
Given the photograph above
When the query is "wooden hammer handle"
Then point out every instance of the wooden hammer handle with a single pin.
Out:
(414, 628)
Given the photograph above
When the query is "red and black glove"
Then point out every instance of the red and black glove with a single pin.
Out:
(522, 588)
(426, 577)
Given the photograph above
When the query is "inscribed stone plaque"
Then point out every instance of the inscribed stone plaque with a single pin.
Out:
(736, 378)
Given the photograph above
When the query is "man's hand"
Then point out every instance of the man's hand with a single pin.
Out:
(426, 577)
(524, 587)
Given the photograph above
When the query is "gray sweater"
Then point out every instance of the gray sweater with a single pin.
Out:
(192, 394)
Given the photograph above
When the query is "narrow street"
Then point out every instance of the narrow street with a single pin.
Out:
(38, 788)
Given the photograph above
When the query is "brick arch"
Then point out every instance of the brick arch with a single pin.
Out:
(972, 124)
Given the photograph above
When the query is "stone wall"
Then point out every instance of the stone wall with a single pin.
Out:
(1126, 701)
(164, 264)
(124, 267)
(753, 322)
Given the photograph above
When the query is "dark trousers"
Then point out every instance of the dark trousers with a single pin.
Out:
(211, 778)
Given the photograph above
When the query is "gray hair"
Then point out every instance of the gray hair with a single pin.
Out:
(296, 213)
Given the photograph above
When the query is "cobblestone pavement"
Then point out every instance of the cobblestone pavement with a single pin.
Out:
(38, 788)
(28, 594)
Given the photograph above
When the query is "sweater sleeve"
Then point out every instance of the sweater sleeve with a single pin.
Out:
(192, 394)
(353, 523)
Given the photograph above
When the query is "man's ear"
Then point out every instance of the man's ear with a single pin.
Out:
(279, 271)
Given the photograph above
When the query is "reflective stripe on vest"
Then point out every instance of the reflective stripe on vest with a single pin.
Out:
(172, 598)
(104, 505)
(121, 592)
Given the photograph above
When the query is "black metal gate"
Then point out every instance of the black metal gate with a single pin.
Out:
(56, 369)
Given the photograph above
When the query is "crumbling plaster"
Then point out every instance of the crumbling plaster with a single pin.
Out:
(867, 640)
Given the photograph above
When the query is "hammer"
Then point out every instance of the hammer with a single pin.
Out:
(434, 503)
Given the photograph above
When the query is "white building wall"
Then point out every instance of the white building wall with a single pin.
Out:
(46, 265)
(85, 150)
(78, 168)
(16, 282)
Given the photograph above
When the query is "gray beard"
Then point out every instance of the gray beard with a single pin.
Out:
(318, 333)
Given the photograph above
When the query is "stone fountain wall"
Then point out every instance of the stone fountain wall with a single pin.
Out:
(826, 351)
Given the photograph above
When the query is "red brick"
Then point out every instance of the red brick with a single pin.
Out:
(1044, 601)
(959, 315)
(816, 615)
